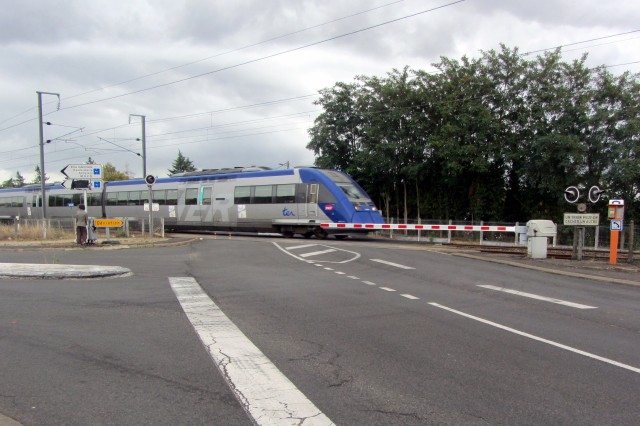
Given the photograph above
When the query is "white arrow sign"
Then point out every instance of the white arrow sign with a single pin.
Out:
(83, 171)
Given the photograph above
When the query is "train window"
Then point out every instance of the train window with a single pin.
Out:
(263, 194)
(351, 190)
(242, 195)
(123, 198)
(77, 199)
(286, 193)
(135, 199)
(172, 197)
(67, 200)
(191, 196)
(205, 196)
(93, 199)
(112, 198)
(160, 196)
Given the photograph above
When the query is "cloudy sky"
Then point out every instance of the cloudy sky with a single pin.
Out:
(232, 83)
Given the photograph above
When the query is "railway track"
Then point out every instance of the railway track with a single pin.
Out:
(552, 252)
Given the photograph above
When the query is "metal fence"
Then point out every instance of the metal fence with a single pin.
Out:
(595, 237)
(60, 228)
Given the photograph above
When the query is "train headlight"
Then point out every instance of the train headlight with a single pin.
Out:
(357, 207)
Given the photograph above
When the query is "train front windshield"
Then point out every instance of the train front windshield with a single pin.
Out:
(352, 191)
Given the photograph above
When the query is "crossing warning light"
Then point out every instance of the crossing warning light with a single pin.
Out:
(150, 179)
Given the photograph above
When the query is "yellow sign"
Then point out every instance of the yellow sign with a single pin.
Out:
(108, 223)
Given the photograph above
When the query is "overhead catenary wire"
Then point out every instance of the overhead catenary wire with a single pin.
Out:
(262, 58)
(214, 56)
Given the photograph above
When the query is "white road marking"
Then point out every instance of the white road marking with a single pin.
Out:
(540, 339)
(328, 269)
(353, 277)
(369, 283)
(408, 296)
(386, 289)
(300, 247)
(353, 254)
(340, 273)
(537, 297)
(316, 253)
(264, 392)
(397, 265)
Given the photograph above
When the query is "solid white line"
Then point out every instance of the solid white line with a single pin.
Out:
(408, 296)
(302, 246)
(264, 392)
(397, 265)
(315, 253)
(369, 283)
(537, 297)
(540, 339)
(386, 289)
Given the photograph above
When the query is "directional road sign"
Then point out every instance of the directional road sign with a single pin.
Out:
(82, 184)
(108, 223)
(83, 171)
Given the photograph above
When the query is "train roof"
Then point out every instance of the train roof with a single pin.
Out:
(205, 172)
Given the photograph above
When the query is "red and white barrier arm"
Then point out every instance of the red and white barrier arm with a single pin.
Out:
(410, 227)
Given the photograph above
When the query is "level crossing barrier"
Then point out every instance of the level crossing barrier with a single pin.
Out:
(420, 227)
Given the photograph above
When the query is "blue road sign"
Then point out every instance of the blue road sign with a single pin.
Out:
(616, 225)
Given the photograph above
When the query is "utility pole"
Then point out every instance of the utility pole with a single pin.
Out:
(42, 183)
(144, 143)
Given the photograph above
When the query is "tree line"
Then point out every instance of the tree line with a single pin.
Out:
(494, 138)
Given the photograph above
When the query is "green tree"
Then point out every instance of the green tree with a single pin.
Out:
(110, 173)
(181, 164)
(38, 176)
(493, 138)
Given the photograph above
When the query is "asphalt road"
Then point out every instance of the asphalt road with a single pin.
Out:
(369, 334)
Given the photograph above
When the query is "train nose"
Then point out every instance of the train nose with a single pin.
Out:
(367, 217)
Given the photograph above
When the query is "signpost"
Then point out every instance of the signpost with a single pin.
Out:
(82, 176)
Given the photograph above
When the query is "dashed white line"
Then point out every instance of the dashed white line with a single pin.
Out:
(397, 265)
(353, 277)
(340, 273)
(537, 297)
(264, 392)
(328, 269)
(369, 283)
(539, 339)
(386, 289)
(409, 296)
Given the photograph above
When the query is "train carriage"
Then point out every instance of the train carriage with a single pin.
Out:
(257, 199)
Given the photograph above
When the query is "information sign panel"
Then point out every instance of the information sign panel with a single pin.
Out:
(582, 219)
(83, 171)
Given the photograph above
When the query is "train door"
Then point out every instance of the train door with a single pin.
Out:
(308, 207)
(205, 203)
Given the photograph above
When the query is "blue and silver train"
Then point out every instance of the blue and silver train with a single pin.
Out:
(255, 199)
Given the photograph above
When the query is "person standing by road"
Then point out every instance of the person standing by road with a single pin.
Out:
(82, 219)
